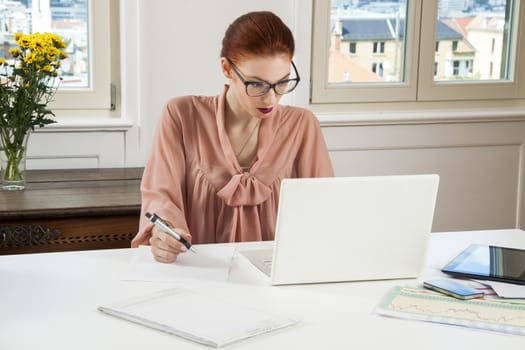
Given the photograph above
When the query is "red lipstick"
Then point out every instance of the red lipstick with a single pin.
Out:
(265, 110)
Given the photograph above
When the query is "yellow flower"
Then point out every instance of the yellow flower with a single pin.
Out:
(24, 42)
(15, 52)
(35, 64)
(56, 40)
(30, 58)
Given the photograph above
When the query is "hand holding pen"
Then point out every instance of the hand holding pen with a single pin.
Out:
(161, 248)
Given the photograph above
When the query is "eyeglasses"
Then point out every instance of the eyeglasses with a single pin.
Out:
(260, 88)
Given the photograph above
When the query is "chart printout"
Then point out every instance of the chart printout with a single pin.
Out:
(506, 316)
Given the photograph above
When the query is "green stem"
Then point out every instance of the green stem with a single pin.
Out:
(14, 153)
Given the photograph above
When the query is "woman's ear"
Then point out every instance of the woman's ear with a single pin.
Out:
(226, 68)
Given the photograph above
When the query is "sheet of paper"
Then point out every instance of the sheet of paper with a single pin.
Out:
(211, 263)
(424, 305)
(199, 317)
(506, 290)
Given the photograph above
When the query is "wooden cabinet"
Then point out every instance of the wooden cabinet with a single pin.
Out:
(74, 209)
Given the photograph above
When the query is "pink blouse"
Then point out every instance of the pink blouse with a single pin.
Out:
(193, 180)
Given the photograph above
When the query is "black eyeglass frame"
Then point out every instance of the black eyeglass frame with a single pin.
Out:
(270, 86)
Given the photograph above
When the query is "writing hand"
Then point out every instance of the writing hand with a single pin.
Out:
(166, 248)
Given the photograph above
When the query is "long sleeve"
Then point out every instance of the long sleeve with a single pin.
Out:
(163, 182)
(313, 159)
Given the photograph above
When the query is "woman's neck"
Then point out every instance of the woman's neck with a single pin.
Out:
(242, 130)
(235, 115)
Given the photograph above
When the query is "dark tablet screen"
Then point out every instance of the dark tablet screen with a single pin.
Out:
(488, 262)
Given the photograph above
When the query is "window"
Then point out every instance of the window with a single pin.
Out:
(470, 65)
(84, 25)
(433, 50)
(377, 68)
(455, 68)
(379, 47)
(353, 48)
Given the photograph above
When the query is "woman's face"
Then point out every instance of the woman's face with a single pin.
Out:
(269, 69)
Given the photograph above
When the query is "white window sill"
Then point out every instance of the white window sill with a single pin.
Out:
(84, 123)
(338, 117)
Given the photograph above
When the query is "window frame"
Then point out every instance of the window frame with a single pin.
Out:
(419, 85)
(429, 90)
(99, 94)
(322, 92)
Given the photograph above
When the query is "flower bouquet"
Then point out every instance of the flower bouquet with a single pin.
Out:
(28, 83)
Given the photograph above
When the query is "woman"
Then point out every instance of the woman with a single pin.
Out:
(217, 161)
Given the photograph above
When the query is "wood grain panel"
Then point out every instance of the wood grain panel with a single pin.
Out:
(71, 210)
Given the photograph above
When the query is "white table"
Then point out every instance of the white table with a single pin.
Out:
(49, 301)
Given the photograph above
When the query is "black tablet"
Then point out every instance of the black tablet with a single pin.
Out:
(487, 262)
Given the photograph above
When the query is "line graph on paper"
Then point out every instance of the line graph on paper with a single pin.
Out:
(424, 305)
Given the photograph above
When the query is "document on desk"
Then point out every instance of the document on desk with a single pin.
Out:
(202, 318)
(211, 263)
(505, 290)
(424, 305)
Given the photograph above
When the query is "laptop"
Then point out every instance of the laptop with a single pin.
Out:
(349, 229)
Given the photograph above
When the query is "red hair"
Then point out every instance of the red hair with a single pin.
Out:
(259, 33)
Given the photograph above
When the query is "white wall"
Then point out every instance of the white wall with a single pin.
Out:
(168, 48)
(171, 48)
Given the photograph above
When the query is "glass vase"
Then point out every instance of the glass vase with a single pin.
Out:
(13, 147)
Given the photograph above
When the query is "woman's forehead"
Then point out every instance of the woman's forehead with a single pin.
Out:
(270, 68)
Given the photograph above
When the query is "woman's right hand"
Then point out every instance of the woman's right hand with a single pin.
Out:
(166, 248)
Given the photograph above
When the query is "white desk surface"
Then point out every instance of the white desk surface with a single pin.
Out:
(50, 300)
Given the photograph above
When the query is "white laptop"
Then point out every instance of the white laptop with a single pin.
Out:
(350, 229)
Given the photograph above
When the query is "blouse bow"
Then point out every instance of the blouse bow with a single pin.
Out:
(244, 189)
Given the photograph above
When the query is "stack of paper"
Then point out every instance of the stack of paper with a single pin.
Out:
(198, 317)
(505, 290)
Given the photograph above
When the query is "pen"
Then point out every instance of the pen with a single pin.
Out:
(154, 218)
